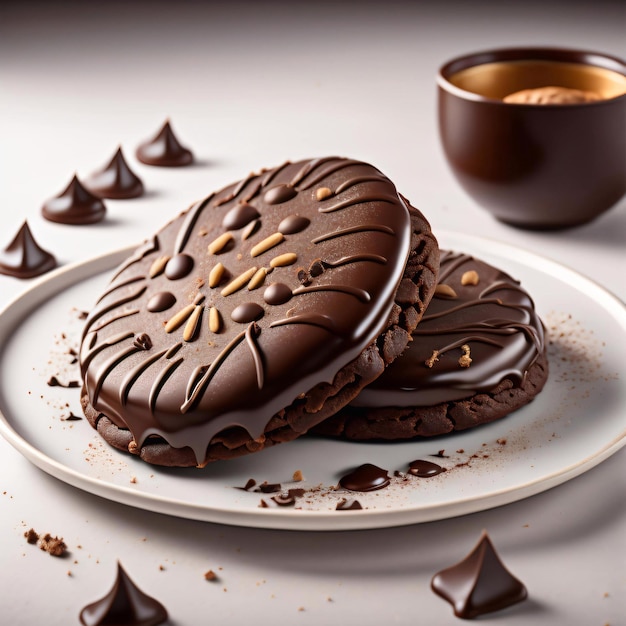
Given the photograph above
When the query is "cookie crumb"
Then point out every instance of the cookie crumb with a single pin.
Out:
(210, 575)
(297, 476)
(31, 536)
(54, 546)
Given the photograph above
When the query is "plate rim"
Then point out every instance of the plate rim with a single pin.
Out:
(308, 520)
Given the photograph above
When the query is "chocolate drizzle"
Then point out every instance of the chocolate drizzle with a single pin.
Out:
(125, 604)
(74, 205)
(116, 180)
(24, 257)
(478, 584)
(164, 150)
(234, 376)
(466, 343)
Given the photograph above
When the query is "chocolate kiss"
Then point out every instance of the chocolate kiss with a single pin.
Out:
(74, 205)
(115, 181)
(24, 258)
(124, 604)
(164, 150)
(479, 584)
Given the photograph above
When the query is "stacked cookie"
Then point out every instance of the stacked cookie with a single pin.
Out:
(275, 306)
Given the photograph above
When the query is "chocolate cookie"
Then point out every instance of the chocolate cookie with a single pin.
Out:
(257, 313)
(477, 355)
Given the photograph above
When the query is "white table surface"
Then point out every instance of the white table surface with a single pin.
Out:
(247, 86)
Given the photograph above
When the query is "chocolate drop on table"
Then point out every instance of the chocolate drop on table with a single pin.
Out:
(124, 604)
(116, 180)
(24, 257)
(164, 150)
(478, 584)
(75, 205)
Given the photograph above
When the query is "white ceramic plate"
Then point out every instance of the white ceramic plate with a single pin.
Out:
(574, 424)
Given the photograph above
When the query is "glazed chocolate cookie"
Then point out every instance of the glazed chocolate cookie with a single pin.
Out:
(477, 355)
(257, 313)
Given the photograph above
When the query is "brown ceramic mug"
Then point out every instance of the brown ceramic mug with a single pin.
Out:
(539, 166)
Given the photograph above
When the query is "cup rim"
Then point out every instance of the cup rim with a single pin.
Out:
(567, 55)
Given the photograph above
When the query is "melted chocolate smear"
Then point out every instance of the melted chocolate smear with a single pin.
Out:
(72, 418)
(124, 604)
(239, 216)
(349, 505)
(164, 150)
(366, 477)
(479, 584)
(179, 266)
(266, 487)
(278, 293)
(293, 224)
(279, 194)
(116, 180)
(75, 205)
(53, 381)
(24, 258)
(425, 469)
(161, 302)
(247, 312)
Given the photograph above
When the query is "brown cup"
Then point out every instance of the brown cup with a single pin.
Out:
(535, 166)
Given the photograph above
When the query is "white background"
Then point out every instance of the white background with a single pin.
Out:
(248, 86)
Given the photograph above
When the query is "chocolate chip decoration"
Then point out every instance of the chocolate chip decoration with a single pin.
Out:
(164, 150)
(24, 257)
(75, 205)
(116, 180)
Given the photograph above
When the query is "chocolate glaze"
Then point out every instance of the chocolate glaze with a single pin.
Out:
(164, 150)
(478, 584)
(495, 318)
(24, 258)
(366, 477)
(74, 205)
(124, 605)
(116, 180)
(250, 368)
